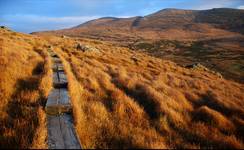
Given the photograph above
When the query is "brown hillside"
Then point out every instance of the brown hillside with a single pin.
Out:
(127, 99)
(121, 98)
(213, 37)
(171, 24)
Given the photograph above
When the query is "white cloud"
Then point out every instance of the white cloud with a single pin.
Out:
(43, 19)
(241, 7)
(32, 23)
(209, 4)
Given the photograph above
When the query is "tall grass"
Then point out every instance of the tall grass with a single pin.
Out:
(24, 86)
(120, 98)
(124, 99)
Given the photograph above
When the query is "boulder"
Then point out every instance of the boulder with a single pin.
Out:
(5, 28)
(86, 48)
(198, 66)
(63, 36)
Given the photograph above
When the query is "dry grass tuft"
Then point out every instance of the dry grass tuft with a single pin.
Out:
(214, 118)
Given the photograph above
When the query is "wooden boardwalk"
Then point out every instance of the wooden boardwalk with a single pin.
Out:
(61, 132)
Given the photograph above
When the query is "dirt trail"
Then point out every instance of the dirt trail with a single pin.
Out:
(61, 132)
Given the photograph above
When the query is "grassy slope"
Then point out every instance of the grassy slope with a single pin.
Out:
(127, 99)
(24, 84)
(222, 55)
(121, 98)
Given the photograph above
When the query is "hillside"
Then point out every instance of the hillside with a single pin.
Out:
(213, 37)
(171, 24)
(121, 98)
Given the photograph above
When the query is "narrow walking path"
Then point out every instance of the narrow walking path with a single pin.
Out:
(61, 132)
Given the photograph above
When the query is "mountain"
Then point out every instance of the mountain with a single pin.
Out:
(174, 24)
(212, 37)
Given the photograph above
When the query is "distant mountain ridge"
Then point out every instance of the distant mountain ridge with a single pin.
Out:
(166, 24)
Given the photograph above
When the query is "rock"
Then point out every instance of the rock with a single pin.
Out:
(198, 66)
(134, 58)
(63, 36)
(195, 66)
(85, 48)
(79, 47)
(5, 28)
(219, 75)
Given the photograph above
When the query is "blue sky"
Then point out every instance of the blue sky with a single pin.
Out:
(37, 15)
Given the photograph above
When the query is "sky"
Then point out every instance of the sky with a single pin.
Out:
(39, 15)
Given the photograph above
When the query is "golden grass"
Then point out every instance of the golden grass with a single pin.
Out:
(23, 86)
(121, 98)
(126, 99)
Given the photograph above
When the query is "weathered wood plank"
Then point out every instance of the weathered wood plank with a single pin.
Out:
(61, 133)
(55, 137)
(53, 97)
(64, 97)
(56, 60)
(58, 102)
(55, 77)
(58, 96)
(68, 131)
(62, 76)
(59, 80)
(58, 67)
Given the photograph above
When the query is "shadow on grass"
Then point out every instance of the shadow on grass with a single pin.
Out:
(141, 97)
(18, 129)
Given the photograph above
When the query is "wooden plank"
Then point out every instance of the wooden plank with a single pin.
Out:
(61, 133)
(58, 102)
(58, 96)
(55, 77)
(58, 67)
(56, 60)
(64, 97)
(68, 131)
(55, 137)
(62, 76)
(59, 80)
(52, 105)
(53, 97)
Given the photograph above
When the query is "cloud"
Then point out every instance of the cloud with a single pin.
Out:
(43, 19)
(209, 4)
(30, 23)
(240, 7)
